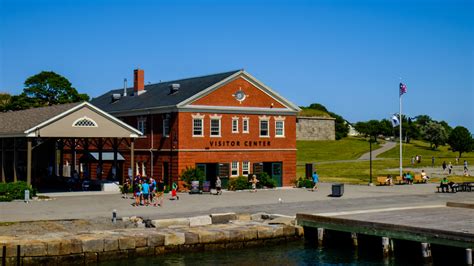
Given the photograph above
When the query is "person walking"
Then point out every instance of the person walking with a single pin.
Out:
(254, 182)
(137, 190)
(160, 190)
(432, 161)
(219, 186)
(145, 192)
(174, 191)
(444, 166)
(450, 168)
(315, 181)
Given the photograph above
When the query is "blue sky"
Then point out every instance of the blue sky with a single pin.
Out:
(347, 55)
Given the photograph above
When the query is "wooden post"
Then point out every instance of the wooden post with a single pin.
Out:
(386, 246)
(99, 168)
(426, 251)
(355, 243)
(15, 177)
(2, 171)
(115, 146)
(61, 158)
(468, 256)
(132, 158)
(73, 155)
(320, 236)
(28, 162)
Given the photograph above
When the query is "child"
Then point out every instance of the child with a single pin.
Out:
(218, 186)
(315, 181)
(254, 182)
(174, 193)
(126, 188)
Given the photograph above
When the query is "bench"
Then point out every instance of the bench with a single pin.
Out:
(382, 180)
(399, 179)
(419, 179)
(454, 188)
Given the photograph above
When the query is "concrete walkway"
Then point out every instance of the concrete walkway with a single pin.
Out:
(385, 147)
(293, 201)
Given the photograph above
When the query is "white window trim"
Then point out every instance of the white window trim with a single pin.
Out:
(218, 118)
(283, 129)
(248, 167)
(236, 119)
(246, 119)
(231, 169)
(141, 119)
(167, 133)
(84, 118)
(263, 118)
(202, 126)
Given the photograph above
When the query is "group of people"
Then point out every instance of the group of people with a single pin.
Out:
(449, 167)
(416, 159)
(148, 191)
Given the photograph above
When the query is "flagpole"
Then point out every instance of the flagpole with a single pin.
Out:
(401, 122)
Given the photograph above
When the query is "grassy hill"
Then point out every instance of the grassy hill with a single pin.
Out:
(326, 154)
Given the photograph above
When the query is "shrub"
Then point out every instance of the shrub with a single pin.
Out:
(192, 174)
(239, 183)
(303, 182)
(265, 181)
(15, 190)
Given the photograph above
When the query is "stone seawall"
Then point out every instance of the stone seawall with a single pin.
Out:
(170, 235)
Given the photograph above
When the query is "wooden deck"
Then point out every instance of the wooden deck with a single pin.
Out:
(451, 226)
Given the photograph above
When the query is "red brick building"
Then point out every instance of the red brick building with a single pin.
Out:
(227, 124)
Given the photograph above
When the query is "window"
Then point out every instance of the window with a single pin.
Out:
(235, 125)
(84, 122)
(264, 132)
(234, 171)
(279, 128)
(245, 168)
(197, 127)
(215, 127)
(245, 125)
(166, 125)
(141, 124)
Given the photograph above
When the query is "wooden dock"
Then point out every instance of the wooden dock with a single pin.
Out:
(443, 225)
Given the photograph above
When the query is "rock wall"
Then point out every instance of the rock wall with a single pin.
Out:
(315, 128)
(170, 235)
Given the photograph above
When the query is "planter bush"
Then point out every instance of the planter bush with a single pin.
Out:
(192, 174)
(15, 190)
(265, 181)
(239, 183)
(304, 183)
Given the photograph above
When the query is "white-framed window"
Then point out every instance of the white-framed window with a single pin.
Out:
(234, 168)
(141, 124)
(215, 126)
(279, 128)
(198, 125)
(264, 128)
(245, 125)
(245, 168)
(84, 122)
(235, 125)
(166, 125)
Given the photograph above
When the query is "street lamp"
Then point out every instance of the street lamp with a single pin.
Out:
(370, 159)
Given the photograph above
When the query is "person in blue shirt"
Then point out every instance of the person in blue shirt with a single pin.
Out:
(145, 192)
(315, 181)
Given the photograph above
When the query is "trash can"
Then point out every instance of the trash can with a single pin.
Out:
(337, 190)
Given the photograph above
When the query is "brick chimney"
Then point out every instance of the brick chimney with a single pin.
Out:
(138, 81)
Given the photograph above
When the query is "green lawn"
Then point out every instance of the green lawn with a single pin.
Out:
(324, 152)
(331, 150)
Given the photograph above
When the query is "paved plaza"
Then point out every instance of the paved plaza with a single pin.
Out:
(91, 205)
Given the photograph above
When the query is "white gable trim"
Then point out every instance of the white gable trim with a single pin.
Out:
(243, 74)
(32, 131)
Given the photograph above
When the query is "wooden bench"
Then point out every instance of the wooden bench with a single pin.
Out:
(454, 188)
(419, 179)
(382, 180)
(399, 180)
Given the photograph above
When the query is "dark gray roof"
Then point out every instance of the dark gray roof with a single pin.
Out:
(13, 123)
(158, 95)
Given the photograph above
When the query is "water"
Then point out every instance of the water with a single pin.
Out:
(292, 253)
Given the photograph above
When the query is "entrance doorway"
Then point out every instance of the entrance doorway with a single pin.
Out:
(210, 171)
(274, 170)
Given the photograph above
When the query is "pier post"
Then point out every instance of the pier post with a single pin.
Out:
(386, 246)
(426, 251)
(320, 236)
(468, 256)
(355, 243)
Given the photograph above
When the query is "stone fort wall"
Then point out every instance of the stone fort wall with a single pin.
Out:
(315, 128)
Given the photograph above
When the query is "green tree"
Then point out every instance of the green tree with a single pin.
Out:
(49, 88)
(318, 106)
(461, 140)
(341, 127)
(5, 100)
(435, 134)
(371, 129)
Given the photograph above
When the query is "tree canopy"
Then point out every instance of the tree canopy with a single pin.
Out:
(341, 127)
(435, 134)
(43, 89)
(461, 140)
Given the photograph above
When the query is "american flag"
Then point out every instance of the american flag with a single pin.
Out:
(403, 89)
